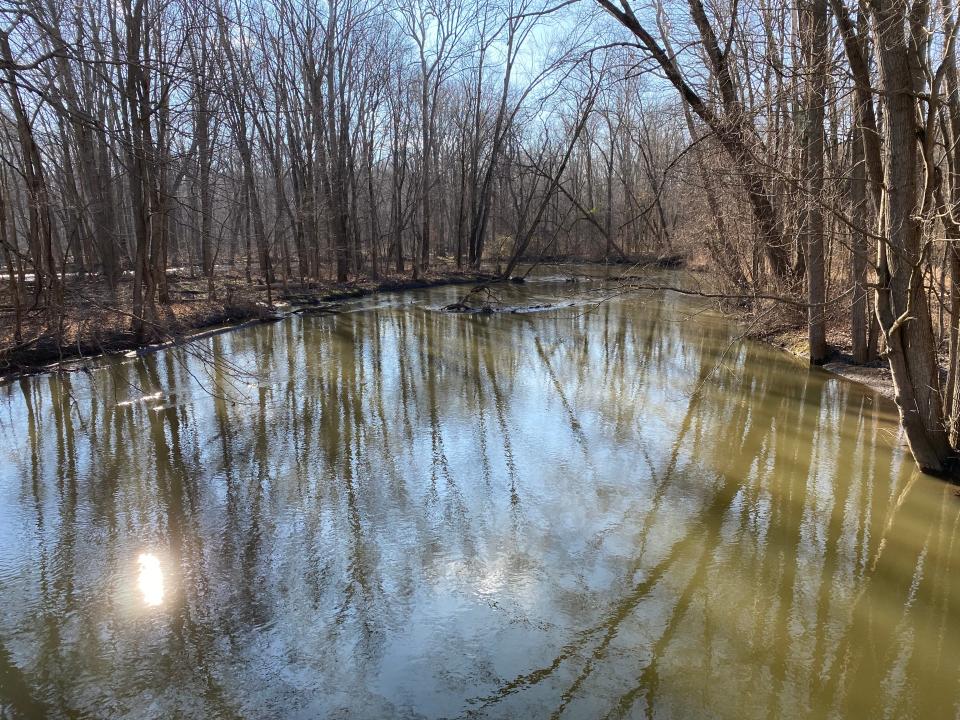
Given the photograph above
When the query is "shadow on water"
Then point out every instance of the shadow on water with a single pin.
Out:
(599, 511)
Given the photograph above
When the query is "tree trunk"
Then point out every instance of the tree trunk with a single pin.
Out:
(902, 307)
(814, 30)
(858, 200)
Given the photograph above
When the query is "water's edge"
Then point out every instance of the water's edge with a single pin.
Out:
(876, 379)
(76, 361)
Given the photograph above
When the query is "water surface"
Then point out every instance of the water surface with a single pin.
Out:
(613, 509)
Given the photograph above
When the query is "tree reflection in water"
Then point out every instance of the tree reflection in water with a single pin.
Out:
(604, 511)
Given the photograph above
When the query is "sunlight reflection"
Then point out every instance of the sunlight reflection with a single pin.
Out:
(150, 580)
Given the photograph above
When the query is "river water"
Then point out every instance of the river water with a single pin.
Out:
(606, 509)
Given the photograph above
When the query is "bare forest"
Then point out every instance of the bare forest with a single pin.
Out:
(163, 160)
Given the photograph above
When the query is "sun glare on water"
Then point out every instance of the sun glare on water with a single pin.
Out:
(150, 579)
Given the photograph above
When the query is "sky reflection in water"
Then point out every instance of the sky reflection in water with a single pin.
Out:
(398, 512)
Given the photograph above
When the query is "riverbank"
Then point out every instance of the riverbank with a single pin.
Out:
(784, 325)
(94, 325)
(792, 337)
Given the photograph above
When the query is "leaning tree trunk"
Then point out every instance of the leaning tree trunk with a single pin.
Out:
(902, 306)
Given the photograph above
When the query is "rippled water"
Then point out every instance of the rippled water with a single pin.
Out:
(610, 509)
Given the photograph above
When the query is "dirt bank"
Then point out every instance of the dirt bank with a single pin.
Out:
(94, 325)
(840, 362)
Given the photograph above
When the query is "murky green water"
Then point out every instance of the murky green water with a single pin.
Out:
(594, 511)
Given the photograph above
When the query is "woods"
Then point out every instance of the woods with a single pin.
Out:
(896, 59)
(808, 152)
(601, 457)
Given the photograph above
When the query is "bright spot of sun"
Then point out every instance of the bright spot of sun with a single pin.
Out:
(150, 580)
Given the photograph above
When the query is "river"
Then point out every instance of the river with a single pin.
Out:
(611, 508)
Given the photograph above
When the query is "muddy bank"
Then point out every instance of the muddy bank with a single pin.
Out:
(94, 324)
(840, 362)
(95, 328)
